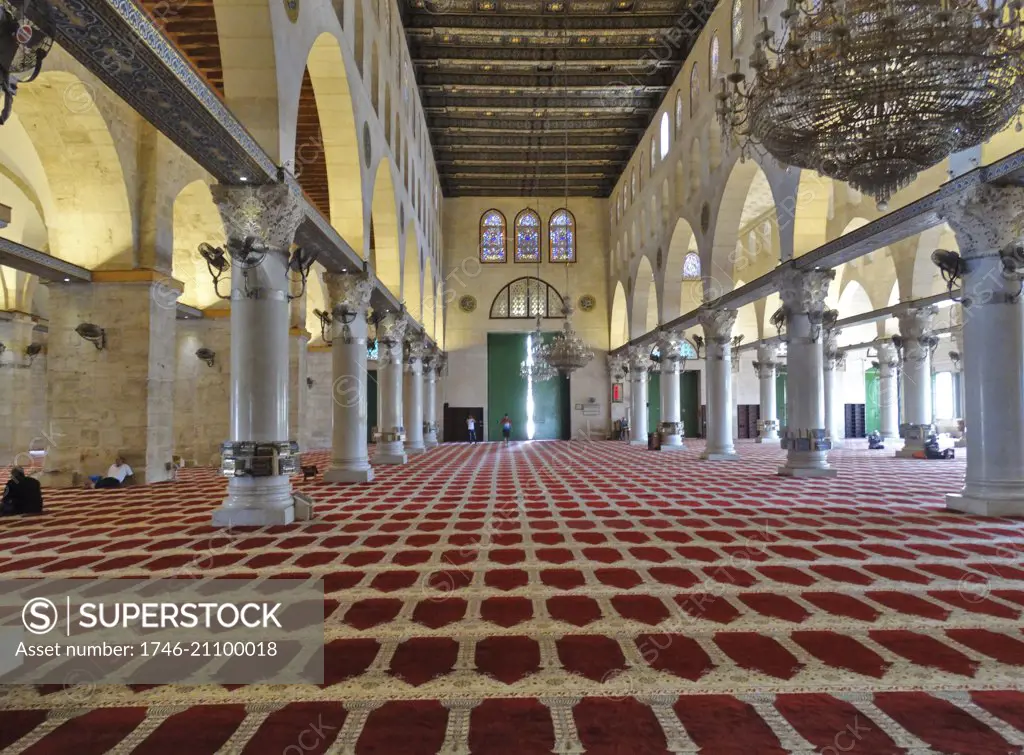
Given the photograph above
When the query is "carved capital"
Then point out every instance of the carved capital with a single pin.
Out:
(391, 329)
(887, 355)
(986, 218)
(270, 214)
(768, 352)
(639, 359)
(717, 324)
(670, 349)
(917, 323)
(616, 368)
(416, 348)
(349, 292)
(803, 292)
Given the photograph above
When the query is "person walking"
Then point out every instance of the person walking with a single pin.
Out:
(471, 426)
(506, 428)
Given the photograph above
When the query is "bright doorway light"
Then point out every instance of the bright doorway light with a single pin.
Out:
(531, 428)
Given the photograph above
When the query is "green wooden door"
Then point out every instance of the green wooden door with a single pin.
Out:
(371, 403)
(780, 398)
(653, 401)
(507, 393)
(689, 402)
(550, 405)
(872, 413)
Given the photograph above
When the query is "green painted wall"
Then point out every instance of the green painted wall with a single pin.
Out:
(872, 413)
(653, 401)
(507, 392)
(780, 399)
(689, 402)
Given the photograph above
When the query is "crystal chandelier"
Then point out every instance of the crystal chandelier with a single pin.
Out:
(566, 352)
(536, 367)
(872, 92)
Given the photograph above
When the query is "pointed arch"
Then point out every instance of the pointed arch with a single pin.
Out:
(642, 294)
(196, 220)
(411, 274)
(619, 332)
(811, 212)
(680, 243)
(384, 229)
(527, 236)
(747, 196)
(694, 89)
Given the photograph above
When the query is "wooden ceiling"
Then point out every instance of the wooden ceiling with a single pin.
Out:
(192, 26)
(509, 87)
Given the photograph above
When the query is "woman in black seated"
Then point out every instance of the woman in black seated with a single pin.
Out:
(22, 495)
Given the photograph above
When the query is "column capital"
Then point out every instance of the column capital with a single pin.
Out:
(415, 349)
(804, 291)
(917, 323)
(616, 367)
(986, 218)
(887, 355)
(350, 292)
(717, 324)
(768, 352)
(270, 214)
(670, 348)
(391, 328)
(765, 370)
(639, 359)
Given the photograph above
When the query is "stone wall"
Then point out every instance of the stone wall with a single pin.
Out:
(318, 423)
(202, 393)
(22, 393)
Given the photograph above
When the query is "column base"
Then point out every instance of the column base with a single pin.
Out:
(638, 442)
(415, 450)
(672, 443)
(969, 504)
(391, 452)
(801, 472)
(718, 456)
(256, 502)
(768, 440)
(430, 438)
(344, 474)
(431, 444)
(911, 450)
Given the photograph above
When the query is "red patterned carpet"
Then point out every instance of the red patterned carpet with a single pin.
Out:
(575, 598)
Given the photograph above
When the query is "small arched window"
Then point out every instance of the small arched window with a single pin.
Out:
(527, 236)
(562, 236)
(694, 88)
(679, 113)
(632, 187)
(492, 236)
(713, 72)
(691, 267)
(737, 25)
(666, 139)
(526, 298)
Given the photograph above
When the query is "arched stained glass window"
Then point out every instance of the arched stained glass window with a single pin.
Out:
(526, 298)
(715, 45)
(691, 267)
(679, 113)
(694, 88)
(527, 236)
(492, 237)
(687, 350)
(737, 25)
(562, 233)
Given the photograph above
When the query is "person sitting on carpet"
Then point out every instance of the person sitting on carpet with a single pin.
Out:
(116, 475)
(22, 495)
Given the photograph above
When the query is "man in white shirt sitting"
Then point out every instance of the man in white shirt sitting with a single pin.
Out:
(116, 475)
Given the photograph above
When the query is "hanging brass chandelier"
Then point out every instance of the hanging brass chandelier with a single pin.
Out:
(567, 352)
(872, 92)
(535, 367)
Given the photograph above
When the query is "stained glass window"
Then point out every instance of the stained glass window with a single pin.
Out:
(694, 88)
(714, 60)
(527, 237)
(737, 25)
(679, 112)
(654, 153)
(691, 267)
(562, 233)
(492, 237)
(687, 350)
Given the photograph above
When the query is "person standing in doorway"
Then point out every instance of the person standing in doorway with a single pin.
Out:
(506, 428)
(471, 426)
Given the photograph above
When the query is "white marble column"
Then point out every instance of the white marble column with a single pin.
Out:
(734, 391)
(804, 437)
(430, 400)
(916, 331)
(671, 426)
(961, 395)
(260, 455)
(412, 402)
(834, 365)
(888, 390)
(350, 300)
(639, 364)
(718, 324)
(391, 430)
(988, 224)
(765, 366)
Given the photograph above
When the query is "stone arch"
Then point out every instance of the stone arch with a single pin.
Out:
(747, 195)
(384, 229)
(810, 215)
(695, 168)
(196, 220)
(619, 332)
(854, 300)
(926, 279)
(746, 320)
(374, 80)
(339, 137)
(411, 274)
(643, 290)
(681, 243)
(91, 220)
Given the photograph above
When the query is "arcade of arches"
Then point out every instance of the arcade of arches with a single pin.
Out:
(287, 304)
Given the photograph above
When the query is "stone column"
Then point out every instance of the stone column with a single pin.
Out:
(671, 426)
(717, 324)
(349, 295)
(391, 430)
(639, 362)
(804, 437)
(834, 363)
(260, 454)
(888, 392)
(765, 367)
(958, 367)
(989, 224)
(916, 332)
(413, 398)
(734, 390)
(430, 400)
